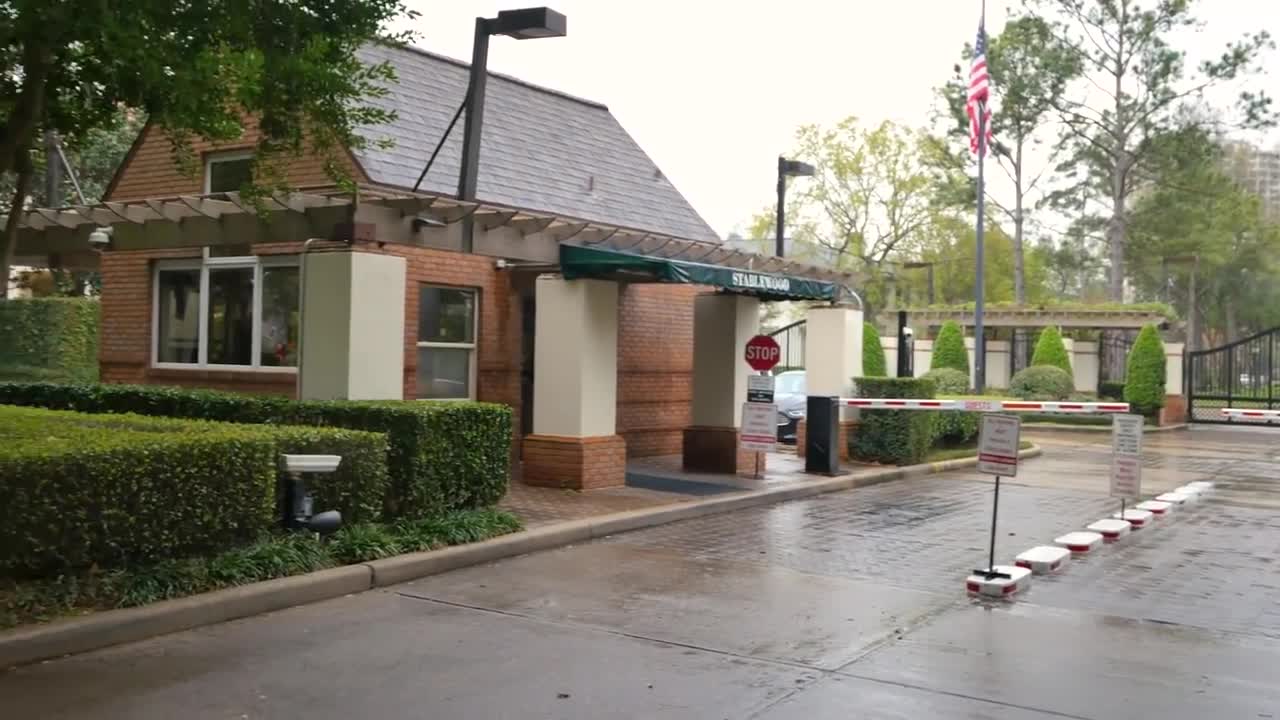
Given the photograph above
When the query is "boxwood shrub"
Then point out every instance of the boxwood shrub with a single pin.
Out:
(1042, 382)
(53, 339)
(955, 428)
(873, 361)
(1051, 350)
(901, 437)
(77, 495)
(948, 381)
(1144, 386)
(949, 350)
(441, 455)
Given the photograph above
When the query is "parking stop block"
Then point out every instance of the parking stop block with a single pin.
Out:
(1111, 529)
(1177, 498)
(1158, 508)
(1079, 542)
(1044, 559)
(1137, 518)
(1017, 579)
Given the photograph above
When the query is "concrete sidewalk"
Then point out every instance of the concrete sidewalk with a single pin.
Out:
(577, 517)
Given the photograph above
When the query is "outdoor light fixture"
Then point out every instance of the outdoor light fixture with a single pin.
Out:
(298, 501)
(100, 239)
(522, 24)
(787, 168)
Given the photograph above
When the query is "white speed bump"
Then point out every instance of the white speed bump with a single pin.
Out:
(1018, 579)
(1079, 542)
(1111, 529)
(1137, 518)
(1203, 486)
(1044, 559)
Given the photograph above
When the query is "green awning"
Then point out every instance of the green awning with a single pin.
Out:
(577, 261)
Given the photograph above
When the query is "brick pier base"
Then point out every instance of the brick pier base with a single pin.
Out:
(1174, 411)
(716, 450)
(847, 430)
(578, 463)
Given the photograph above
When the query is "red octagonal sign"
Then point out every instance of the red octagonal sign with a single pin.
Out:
(763, 353)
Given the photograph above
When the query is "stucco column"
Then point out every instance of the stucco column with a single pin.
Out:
(352, 341)
(833, 358)
(722, 325)
(575, 387)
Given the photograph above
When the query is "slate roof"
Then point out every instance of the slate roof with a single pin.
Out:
(540, 149)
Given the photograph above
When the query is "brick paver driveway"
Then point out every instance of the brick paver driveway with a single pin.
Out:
(842, 606)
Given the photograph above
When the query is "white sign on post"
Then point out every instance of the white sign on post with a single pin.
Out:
(759, 427)
(1126, 456)
(998, 442)
(759, 388)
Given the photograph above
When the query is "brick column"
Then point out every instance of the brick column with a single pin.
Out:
(575, 387)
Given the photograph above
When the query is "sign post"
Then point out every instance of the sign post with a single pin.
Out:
(998, 441)
(759, 413)
(1126, 458)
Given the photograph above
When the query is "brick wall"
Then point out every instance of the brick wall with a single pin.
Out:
(655, 367)
(149, 170)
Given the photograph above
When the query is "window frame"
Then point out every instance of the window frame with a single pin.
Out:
(210, 159)
(204, 264)
(472, 348)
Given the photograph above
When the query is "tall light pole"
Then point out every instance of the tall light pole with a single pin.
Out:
(786, 168)
(524, 24)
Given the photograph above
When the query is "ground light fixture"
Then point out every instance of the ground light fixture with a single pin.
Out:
(298, 502)
(787, 168)
(523, 24)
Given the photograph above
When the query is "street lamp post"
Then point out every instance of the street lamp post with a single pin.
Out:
(523, 24)
(787, 168)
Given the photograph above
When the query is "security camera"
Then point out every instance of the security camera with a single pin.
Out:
(908, 332)
(100, 238)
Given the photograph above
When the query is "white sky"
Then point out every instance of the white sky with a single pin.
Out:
(714, 90)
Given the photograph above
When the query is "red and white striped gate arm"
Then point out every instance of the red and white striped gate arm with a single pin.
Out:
(1087, 408)
(1251, 414)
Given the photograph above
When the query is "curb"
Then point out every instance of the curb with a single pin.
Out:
(114, 627)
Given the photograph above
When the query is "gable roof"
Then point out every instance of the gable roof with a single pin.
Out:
(540, 149)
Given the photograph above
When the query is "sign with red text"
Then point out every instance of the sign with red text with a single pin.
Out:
(998, 441)
(763, 353)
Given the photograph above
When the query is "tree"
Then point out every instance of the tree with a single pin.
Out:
(872, 196)
(949, 350)
(1050, 350)
(949, 244)
(197, 70)
(1031, 69)
(1137, 86)
(1193, 208)
(873, 362)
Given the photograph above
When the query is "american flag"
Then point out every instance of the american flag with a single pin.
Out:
(979, 90)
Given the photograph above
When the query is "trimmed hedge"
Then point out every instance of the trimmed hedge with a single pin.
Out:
(1114, 391)
(1144, 386)
(955, 427)
(901, 437)
(949, 350)
(873, 362)
(75, 495)
(49, 339)
(1051, 351)
(948, 381)
(1042, 382)
(442, 456)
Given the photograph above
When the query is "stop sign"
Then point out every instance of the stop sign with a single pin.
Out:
(763, 353)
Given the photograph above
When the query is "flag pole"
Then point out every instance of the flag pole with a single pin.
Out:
(979, 344)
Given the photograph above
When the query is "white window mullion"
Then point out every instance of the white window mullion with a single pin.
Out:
(204, 317)
(256, 344)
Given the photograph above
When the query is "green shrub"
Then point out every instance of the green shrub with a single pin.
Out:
(1144, 387)
(1042, 382)
(955, 427)
(1113, 391)
(441, 455)
(901, 437)
(873, 363)
(49, 339)
(76, 495)
(948, 381)
(949, 350)
(1051, 351)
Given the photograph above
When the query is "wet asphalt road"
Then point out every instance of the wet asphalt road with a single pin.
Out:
(842, 606)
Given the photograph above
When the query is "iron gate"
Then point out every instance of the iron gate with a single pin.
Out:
(1244, 374)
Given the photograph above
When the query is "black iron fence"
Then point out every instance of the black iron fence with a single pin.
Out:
(791, 340)
(1244, 374)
